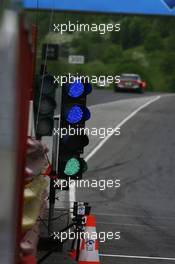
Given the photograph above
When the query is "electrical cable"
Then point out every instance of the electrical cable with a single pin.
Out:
(55, 247)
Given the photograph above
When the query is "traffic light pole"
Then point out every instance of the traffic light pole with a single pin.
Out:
(54, 172)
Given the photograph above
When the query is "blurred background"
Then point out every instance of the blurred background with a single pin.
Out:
(144, 45)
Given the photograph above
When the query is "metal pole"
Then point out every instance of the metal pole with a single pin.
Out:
(54, 172)
(9, 136)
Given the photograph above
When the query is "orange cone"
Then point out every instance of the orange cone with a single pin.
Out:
(89, 246)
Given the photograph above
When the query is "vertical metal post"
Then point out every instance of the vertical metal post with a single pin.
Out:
(78, 246)
(24, 85)
(9, 100)
(54, 172)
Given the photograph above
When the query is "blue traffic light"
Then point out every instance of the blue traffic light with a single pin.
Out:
(86, 112)
(89, 88)
(74, 114)
(76, 89)
(77, 113)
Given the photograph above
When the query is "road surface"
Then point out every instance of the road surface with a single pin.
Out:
(142, 158)
(143, 208)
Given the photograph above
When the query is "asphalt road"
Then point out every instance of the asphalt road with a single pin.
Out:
(99, 96)
(143, 208)
(142, 158)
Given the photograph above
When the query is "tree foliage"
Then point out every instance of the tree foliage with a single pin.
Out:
(144, 45)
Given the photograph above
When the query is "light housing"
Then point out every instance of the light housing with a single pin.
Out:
(74, 114)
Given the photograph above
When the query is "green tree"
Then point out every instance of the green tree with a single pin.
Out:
(136, 32)
(153, 42)
(170, 82)
(112, 53)
(168, 63)
(170, 42)
(125, 34)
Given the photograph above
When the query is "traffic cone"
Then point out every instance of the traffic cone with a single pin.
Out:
(89, 250)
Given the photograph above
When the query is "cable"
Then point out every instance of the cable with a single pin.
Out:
(55, 218)
(55, 247)
(42, 221)
(45, 221)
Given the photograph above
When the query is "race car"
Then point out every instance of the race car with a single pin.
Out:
(130, 82)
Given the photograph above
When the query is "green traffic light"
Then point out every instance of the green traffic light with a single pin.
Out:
(72, 167)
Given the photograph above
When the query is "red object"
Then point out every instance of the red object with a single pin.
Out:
(72, 254)
(143, 84)
(89, 250)
(28, 260)
(34, 50)
(48, 171)
(24, 84)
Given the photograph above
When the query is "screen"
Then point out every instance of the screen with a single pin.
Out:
(157, 7)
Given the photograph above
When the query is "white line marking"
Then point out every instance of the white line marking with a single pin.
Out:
(94, 106)
(107, 223)
(121, 224)
(136, 257)
(72, 190)
(93, 152)
(136, 216)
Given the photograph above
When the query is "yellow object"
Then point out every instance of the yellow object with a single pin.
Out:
(33, 200)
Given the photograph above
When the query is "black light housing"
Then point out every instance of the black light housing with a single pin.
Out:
(44, 104)
(74, 114)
